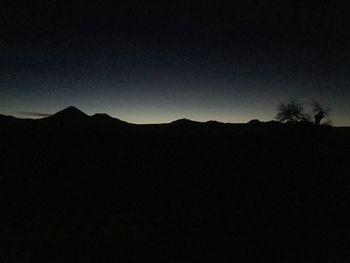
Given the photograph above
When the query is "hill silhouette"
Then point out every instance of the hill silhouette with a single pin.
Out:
(69, 114)
(72, 116)
(103, 118)
(76, 188)
(4, 118)
(185, 122)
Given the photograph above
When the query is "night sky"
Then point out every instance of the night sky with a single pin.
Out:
(157, 61)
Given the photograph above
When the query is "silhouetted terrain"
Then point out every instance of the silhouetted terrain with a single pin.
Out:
(79, 188)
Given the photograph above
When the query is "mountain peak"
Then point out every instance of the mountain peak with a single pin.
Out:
(70, 113)
(72, 109)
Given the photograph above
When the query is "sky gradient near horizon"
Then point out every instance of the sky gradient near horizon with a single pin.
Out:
(230, 61)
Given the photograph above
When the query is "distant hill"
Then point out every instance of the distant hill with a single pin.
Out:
(69, 114)
(185, 122)
(5, 117)
(73, 118)
(104, 118)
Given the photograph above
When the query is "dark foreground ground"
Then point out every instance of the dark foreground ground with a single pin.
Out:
(182, 192)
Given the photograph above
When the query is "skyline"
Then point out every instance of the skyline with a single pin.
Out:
(28, 115)
(153, 62)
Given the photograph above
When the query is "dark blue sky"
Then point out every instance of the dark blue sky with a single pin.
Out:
(145, 62)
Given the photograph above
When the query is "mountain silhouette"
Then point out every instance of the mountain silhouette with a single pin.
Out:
(74, 119)
(103, 117)
(105, 120)
(185, 122)
(69, 114)
(7, 120)
(5, 117)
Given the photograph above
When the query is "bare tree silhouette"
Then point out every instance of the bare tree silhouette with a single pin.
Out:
(291, 112)
(319, 112)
